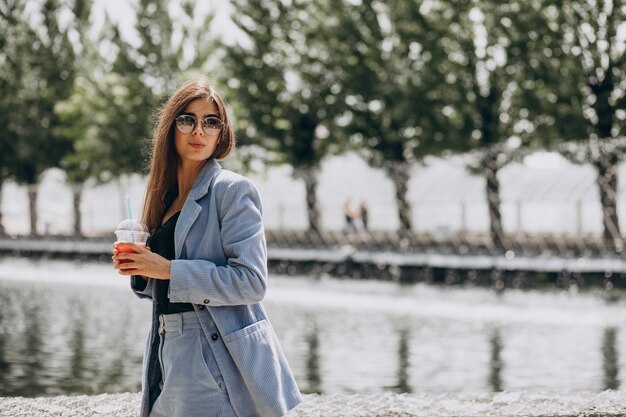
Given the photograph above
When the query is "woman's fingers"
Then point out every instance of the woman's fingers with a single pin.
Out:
(128, 250)
(127, 266)
(125, 261)
(131, 261)
(130, 258)
(143, 262)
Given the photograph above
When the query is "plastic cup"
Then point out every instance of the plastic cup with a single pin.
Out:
(131, 230)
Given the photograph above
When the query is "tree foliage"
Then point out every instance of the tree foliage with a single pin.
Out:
(35, 81)
(287, 95)
(40, 71)
(391, 70)
(394, 79)
(587, 49)
(396, 82)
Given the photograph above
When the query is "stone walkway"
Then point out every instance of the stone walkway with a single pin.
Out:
(605, 404)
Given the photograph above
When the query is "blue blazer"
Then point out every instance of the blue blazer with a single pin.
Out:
(221, 268)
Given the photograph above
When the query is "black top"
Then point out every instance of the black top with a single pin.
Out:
(162, 242)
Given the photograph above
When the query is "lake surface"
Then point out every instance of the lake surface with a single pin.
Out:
(74, 328)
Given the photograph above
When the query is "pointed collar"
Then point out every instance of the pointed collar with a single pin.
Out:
(201, 185)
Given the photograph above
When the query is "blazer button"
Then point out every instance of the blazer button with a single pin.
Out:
(206, 301)
(214, 337)
(200, 307)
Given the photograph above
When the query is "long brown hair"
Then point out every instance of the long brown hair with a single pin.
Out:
(164, 159)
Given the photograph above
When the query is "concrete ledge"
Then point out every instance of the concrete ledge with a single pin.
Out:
(552, 262)
(604, 404)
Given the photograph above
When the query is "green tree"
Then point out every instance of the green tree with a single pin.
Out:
(44, 62)
(394, 78)
(76, 114)
(495, 48)
(592, 103)
(100, 118)
(14, 35)
(89, 122)
(286, 96)
(110, 115)
(107, 118)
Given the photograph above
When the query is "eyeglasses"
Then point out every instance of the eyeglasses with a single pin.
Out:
(186, 123)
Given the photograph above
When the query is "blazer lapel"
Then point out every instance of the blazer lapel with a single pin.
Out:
(191, 209)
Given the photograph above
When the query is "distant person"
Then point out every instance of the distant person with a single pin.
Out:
(211, 350)
(364, 215)
(350, 217)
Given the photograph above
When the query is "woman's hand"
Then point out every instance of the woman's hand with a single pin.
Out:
(141, 262)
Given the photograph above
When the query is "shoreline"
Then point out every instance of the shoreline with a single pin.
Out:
(386, 404)
(497, 271)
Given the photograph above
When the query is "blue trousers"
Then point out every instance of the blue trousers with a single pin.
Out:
(192, 384)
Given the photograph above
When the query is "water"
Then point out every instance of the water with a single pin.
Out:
(73, 328)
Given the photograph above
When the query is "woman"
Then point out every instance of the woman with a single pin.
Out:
(211, 349)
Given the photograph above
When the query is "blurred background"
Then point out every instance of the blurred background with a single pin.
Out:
(461, 135)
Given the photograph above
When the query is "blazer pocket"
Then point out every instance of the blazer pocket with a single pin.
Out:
(264, 368)
(246, 331)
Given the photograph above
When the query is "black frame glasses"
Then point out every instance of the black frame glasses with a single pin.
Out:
(186, 123)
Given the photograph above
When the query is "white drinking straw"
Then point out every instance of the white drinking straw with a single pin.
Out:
(130, 216)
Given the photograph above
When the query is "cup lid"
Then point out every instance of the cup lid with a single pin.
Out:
(132, 225)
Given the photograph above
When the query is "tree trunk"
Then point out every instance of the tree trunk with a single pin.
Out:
(495, 363)
(313, 362)
(607, 181)
(309, 175)
(2, 231)
(32, 205)
(403, 363)
(399, 173)
(493, 199)
(611, 358)
(77, 194)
